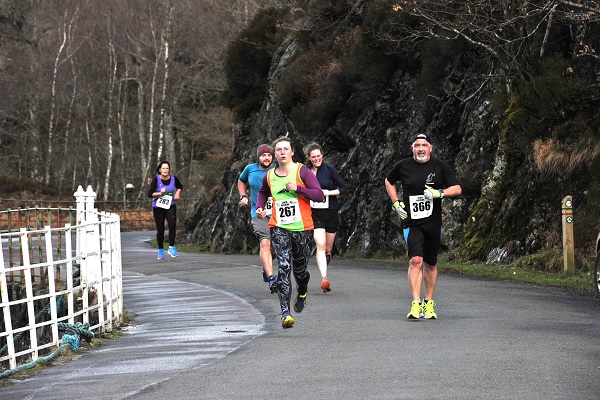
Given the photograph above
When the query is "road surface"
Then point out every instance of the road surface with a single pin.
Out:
(207, 327)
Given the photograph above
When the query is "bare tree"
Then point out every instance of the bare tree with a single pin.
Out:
(68, 128)
(509, 31)
(165, 133)
(112, 57)
(65, 32)
(81, 75)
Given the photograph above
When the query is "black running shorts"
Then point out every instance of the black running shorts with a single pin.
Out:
(326, 218)
(423, 242)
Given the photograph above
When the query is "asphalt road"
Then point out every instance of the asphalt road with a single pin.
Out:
(208, 328)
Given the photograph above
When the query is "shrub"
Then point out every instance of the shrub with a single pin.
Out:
(437, 59)
(553, 93)
(315, 89)
(387, 29)
(247, 63)
(13, 185)
(322, 78)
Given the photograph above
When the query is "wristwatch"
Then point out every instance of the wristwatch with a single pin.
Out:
(441, 193)
(242, 196)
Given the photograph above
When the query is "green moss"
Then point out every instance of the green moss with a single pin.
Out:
(477, 241)
(514, 136)
(516, 118)
(216, 238)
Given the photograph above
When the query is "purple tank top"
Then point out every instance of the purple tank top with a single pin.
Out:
(170, 188)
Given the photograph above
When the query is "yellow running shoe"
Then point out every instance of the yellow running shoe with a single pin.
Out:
(415, 310)
(287, 321)
(428, 309)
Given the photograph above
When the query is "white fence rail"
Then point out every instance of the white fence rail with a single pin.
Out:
(46, 279)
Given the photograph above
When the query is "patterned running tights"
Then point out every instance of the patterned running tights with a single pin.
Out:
(293, 251)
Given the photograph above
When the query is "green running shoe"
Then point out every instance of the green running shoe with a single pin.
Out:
(429, 312)
(415, 310)
(287, 321)
(300, 302)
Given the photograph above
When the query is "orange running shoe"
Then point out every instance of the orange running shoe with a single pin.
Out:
(326, 285)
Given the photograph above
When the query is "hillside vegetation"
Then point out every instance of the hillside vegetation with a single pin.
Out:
(509, 91)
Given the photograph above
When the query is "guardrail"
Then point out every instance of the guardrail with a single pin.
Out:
(56, 275)
(134, 215)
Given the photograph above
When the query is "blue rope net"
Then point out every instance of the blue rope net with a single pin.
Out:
(70, 339)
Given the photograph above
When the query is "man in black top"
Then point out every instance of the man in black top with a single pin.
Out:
(425, 180)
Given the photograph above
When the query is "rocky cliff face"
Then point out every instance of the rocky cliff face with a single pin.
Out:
(371, 134)
(502, 212)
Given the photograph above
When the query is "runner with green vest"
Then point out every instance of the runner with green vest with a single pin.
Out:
(292, 186)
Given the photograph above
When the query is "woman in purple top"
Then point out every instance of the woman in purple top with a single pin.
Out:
(165, 189)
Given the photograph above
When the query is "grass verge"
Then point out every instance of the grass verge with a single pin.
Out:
(581, 282)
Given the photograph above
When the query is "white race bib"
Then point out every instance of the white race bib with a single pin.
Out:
(420, 207)
(320, 204)
(164, 201)
(269, 206)
(288, 211)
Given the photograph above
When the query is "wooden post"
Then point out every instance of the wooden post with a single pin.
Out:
(568, 242)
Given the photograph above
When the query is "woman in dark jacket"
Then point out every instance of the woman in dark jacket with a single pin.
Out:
(325, 214)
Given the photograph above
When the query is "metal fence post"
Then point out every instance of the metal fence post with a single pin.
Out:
(8, 328)
(568, 242)
(80, 217)
(91, 272)
(33, 339)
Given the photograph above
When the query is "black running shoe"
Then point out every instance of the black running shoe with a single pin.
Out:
(272, 284)
(300, 303)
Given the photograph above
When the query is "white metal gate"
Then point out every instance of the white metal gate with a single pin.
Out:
(62, 274)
